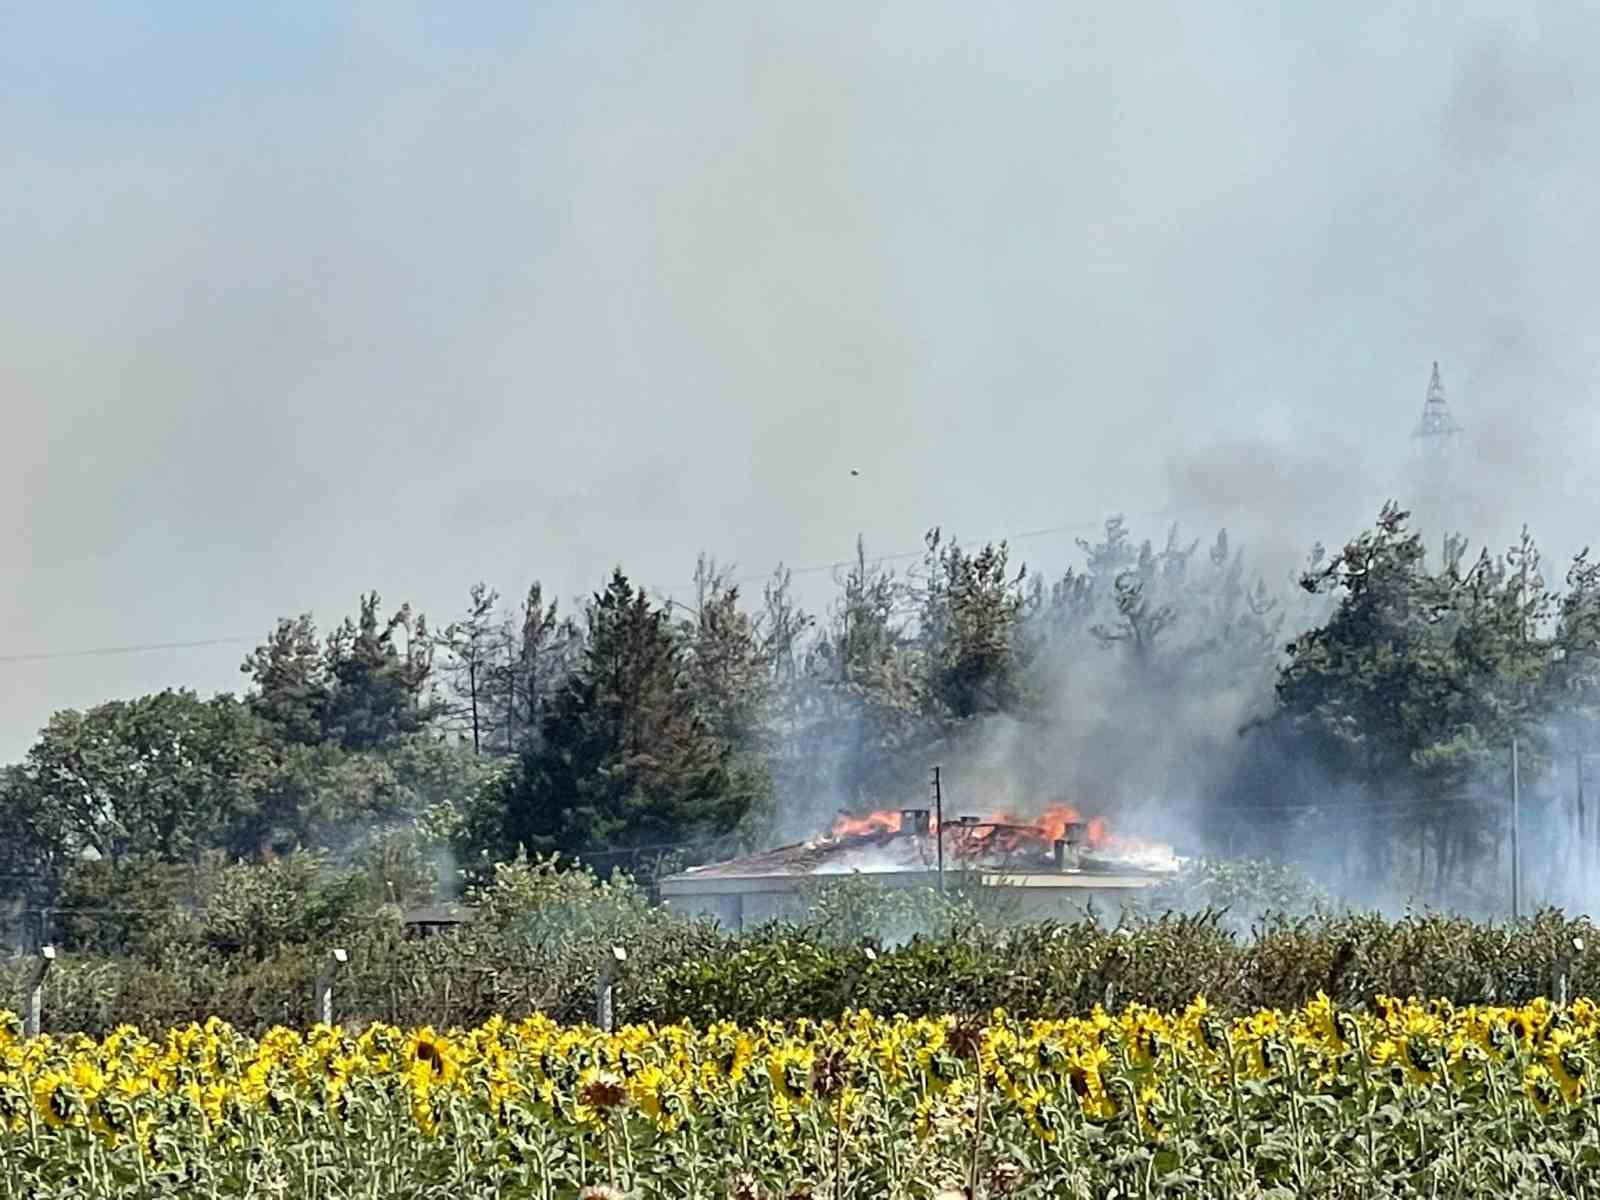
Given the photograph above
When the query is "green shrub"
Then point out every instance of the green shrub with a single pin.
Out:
(1245, 889)
(251, 951)
(854, 909)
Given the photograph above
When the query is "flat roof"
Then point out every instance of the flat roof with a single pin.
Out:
(439, 914)
(726, 883)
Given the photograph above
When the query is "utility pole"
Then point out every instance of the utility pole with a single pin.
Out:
(1516, 845)
(938, 817)
(1580, 842)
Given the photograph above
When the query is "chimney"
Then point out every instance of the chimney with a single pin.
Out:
(1066, 855)
(1068, 847)
(914, 820)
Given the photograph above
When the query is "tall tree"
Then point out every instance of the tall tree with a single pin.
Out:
(469, 646)
(970, 628)
(368, 682)
(860, 731)
(292, 689)
(539, 649)
(784, 626)
(729, 671)
(38, 846)
(1413, 689)
(380, 670)
(626, 759)
(735, 668)
(165, 775)
(1144, 593)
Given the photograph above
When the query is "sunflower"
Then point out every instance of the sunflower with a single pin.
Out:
(14, 1102)
(1560, 1058)
(1537, 1084)
(1088, 1086)
(1144, 1033)
(789, 1070)
(734, 1053)
(434, 1052)
(599, 1093)
(253, 1083)
(55, 1099)
(1318, 1028)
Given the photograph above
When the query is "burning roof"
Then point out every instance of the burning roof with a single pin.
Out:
(900, 840)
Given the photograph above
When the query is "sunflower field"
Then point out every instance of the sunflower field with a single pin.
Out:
(1409, 1098)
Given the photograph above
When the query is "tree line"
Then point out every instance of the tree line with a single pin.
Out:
(1378, 695)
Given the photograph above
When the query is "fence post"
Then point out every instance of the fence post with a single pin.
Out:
(1563, 973)
(33, 992)
(605, 1014)
(322, 995)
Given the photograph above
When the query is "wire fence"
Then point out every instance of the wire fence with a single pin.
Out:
(443, 989)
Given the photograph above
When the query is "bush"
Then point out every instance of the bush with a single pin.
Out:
(254, 910)
(106, 908)
(855, 909)
(1244, 889)
(254, 948)
(1049, 970)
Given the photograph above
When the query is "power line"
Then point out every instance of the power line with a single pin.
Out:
(811, 569)
(136, 648)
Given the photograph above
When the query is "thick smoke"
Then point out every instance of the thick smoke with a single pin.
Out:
(416, 300)
(413, 300)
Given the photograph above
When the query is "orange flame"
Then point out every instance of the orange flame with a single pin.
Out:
(1005, 829)
(885, 820)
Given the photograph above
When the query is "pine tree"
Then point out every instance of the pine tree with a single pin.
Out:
(970, 625)
(539, 649)
(292, 691)
(380, 681)
(859, 727)
(368, 684)
(625, 760)
(469, 645)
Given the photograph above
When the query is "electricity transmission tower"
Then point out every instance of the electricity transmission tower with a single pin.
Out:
(1434, 482)
(1437, 428)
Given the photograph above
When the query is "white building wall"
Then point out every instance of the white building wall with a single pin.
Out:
(737, 911)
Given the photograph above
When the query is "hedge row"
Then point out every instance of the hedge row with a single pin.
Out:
(680, 970)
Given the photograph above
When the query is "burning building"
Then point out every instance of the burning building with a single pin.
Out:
(1053, 866)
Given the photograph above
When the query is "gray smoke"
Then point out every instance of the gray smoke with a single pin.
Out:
(403, 299)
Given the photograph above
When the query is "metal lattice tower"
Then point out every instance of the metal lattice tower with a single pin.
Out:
(1435, 479)
(1437, 425)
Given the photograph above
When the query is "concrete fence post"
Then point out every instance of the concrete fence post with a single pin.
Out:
(322, 994)
(1563, 973)
(605, 1011)
(33, 992)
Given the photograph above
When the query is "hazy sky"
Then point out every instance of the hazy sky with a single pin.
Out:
(307, 299)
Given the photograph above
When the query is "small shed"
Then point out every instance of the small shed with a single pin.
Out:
(432, 919)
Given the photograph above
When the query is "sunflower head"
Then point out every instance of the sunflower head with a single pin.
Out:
(830, 1069)
(965, 1039)
(55, 1098)
(604, 1091)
